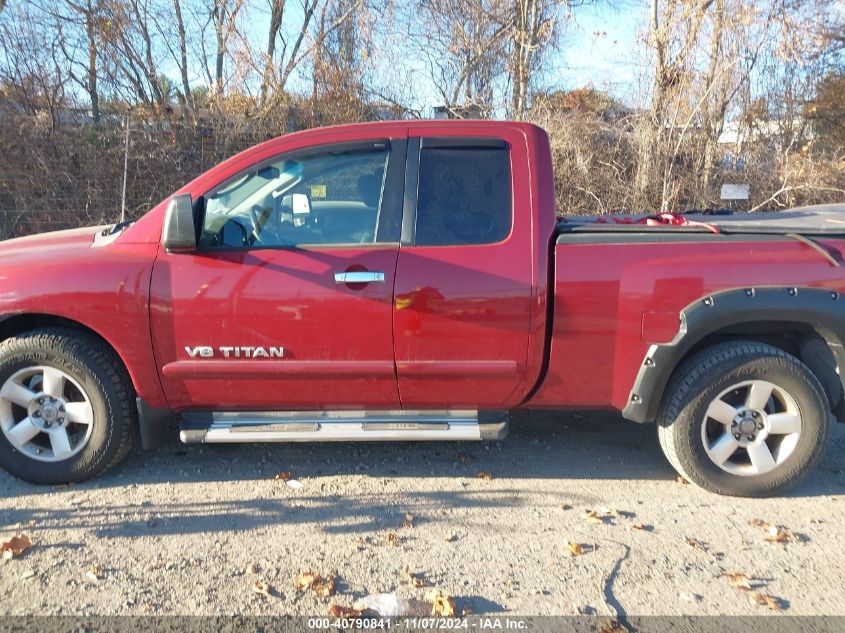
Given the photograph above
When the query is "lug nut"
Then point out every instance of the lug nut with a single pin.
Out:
(760, 426)
(753, 414)
(737, 436)
(752, 437)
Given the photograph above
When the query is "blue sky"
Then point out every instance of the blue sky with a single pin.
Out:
(600, 48)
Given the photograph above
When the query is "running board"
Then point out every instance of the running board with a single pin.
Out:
(341, 426)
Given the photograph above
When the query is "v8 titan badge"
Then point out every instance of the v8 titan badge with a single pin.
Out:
(242, 351)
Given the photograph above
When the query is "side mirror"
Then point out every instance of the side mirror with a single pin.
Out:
(179, 233)
(298, 203)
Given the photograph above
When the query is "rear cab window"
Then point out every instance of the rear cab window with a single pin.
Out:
(464, 192)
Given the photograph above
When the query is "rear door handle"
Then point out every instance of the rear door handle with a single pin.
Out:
(358, 277)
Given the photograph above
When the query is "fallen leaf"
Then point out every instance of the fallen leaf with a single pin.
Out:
(565, 506)
(340, 611)
(738, 580)
(304, 580)
(283, 476)
(681, 479)
(261, 588)
(484, 475)
(614, 626)
(322, 586)
(409, 520)
(592, 516)
(16, 546)
(766, 600)
(442, 606)
(464, 458)
(642, 526)
(393, 539)
(575, 549)
(696, 544)
(778, 534)
(415, 580)
(758, 523)
(451, 537)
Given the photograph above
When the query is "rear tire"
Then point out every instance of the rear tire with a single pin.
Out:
(65, 406)
(744, 419)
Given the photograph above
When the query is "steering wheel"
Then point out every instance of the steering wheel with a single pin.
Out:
(255, 217)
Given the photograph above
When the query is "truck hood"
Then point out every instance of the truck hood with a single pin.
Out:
(72, 239)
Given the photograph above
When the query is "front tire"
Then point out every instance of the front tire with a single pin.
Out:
(744, 419)
(65, 406)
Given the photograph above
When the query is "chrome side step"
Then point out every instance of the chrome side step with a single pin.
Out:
(341, 426)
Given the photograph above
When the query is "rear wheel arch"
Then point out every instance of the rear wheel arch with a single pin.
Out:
(808, 323)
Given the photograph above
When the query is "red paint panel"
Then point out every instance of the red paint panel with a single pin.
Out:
(105, 289)
(334, 336)
(603, 290)
(465, 314)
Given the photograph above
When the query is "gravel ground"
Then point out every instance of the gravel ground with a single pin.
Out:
(190, 529)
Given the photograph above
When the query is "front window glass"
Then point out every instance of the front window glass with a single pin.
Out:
(327, 198)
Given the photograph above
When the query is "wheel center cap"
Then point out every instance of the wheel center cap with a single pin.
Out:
(47, 412)
(747, 426)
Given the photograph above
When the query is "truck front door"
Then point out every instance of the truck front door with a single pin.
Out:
(463, 293)
(287, 302)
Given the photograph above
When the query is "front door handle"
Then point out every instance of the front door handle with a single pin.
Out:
(358, 277)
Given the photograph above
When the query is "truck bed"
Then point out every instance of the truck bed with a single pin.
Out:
(620, 286)
(823, 219)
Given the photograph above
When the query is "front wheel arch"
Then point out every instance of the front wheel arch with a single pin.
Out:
(17, 324)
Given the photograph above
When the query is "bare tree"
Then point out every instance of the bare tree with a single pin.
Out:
(221, 16)
(463, 44)
(30, 73)
(182, 58)
(133, 54)
(78, 36)
(277, 11)
(534, 27)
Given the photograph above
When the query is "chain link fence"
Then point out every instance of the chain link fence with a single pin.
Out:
(72, 176)
(18, 223)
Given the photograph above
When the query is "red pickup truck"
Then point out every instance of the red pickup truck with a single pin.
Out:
(411, 281)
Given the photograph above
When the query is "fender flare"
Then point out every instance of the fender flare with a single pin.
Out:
(821, 309)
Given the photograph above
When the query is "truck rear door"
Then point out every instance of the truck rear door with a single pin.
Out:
(463, 287)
